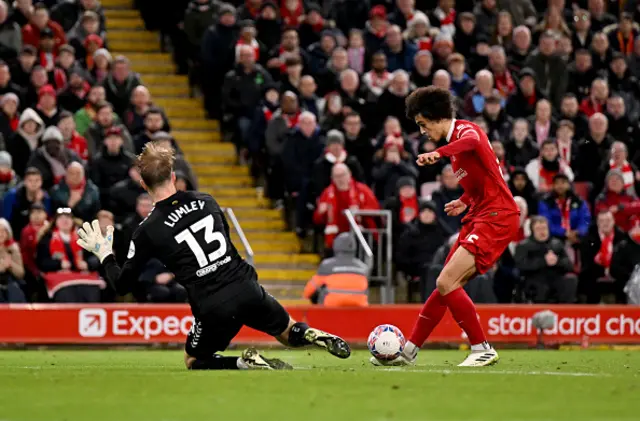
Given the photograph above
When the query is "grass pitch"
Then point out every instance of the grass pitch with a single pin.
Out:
(154, 386)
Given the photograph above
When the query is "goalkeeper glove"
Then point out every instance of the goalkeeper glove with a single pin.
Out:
(91, 239)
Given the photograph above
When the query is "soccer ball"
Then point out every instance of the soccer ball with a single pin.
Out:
(386, 342)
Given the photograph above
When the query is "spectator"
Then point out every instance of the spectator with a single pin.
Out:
(7, 86)
(334, 153)
(22, 12)
(520, 48)
(31, 234)
(542, 171)
(72, 138)
(269, 105)
(377, 79)
(85, 116)
(357, 144)
(549, 68)
(622, 36)
(111, 164)
(143, 205)
(74, 97)
(621, 81)
(593, 150)
(52, 158)
(582, 35)
(76, 193)
(597, 98)
(545, 266)
(180, 164)
(620, 125)
(64, 265)
(449, 190)
(504, 30)
(341, 280)
(553, 21)
(461, 83)
(356, 51)
(486, 12)
(403, 205)
(343, 194)
(19, 200)
(99, 67)
(200, 15)
(597, 253)
(393, 163)
(302, 147)
(522, 103)
(309, 101)
(350, 92)
(10, 35)
(422, 75)
(399, 52)
(520, 149)
(625, 206)
(505, 83)
(8, 177)
(86, 30)
(247, 37)
(601, 52)
(391, 102)
(498, 122)
(47, 107)
(124, 194)
(634, 60)
(329, 77)
(40, 21)
(289, 47)
(619, 161)
(567, 146)
(419, 242)
(543, 126)
(475, 99)
(350, 14)
(376, 28)
(9, 116)
(292, 13)
(218, 56)
(599, 16)
(159, 285)
(443, 47)
(25, 140)
(570, 110)
(120, 84)
(465, 39)
(11, 267)
(320, 51)
(521, 186)
(241, 93)
(106, 119)
(293, 75)
(626, 257)
(581, 74)
(69, 12)
(419, 31)
(268, 25)
(66, 61)
(568, 215)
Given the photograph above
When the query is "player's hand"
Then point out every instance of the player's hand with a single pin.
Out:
(428, 158)
(455, 207)
(164, 278)
(551, 258)
(91, 239)
(82, 265)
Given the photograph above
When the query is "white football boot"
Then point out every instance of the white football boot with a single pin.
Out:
(481, 358)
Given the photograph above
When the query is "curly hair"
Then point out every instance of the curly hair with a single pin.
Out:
(431, 103)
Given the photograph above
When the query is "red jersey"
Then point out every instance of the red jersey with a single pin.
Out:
(478, 171)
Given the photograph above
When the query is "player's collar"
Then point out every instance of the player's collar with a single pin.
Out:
(453, 125)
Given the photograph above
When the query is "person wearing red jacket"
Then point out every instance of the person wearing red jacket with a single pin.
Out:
(625, 207)
(343, 194)
(39, 21)
(72, 139)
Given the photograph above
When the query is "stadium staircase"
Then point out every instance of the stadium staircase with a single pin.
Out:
(282, 270)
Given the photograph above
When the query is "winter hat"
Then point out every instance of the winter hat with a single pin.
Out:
(52, 133)
(378, 12)
(527, 71)
(613, 173)
(103, 52)
(405, 181)
(93, 38)
(226, 8)
(46, 90)
(418, 17)
(445, 38)
(10, 96)
(335, 137)
(427, 204)
(66, 48)
(5, 159)
(113, 131)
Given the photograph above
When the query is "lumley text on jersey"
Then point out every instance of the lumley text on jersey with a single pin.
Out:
(183, 210)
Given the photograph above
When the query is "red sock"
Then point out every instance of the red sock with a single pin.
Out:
(464, 313)
(430, 315)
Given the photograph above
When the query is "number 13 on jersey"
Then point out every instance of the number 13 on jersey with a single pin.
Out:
(206, 223)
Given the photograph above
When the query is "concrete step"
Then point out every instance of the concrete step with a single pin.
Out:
(152, 78)
(187, 123)
(159, 91)
(176, 113)
(262, 224)
(135, 45)
(128, 34)
(291, 275)
(125, 23)
(143, 68)
(246, 213)
(120, 13)
(230, 192)
(231, 181)
(145, 57)
(247, 202)
(212, 148)
(117, 4)
(263, 247)
(263, 236)
(227, 170)
(190, 103)
(286, 259)
(193, 136)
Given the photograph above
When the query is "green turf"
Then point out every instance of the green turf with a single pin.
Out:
(153, 385)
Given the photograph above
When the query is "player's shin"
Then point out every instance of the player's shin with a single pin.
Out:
(432, 312)
(464, 313)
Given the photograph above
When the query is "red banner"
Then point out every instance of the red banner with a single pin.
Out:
(136, 324)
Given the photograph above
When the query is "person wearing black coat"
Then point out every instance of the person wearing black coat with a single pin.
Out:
(626, 257)
(358, 144)
(581, 75)
(593, 151)
(522, 103)
(52, 158)
(595, 278)
(520, 185)
(545, 266)
(301, 149)
(448, 191)
(335, 153)
(124, 195)
(520, 148)
(498, 121)
(394, 163)
(268, 25)
(418, 243)
(111, 165)
(350, 14)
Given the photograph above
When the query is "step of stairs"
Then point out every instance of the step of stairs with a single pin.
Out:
(281, 268)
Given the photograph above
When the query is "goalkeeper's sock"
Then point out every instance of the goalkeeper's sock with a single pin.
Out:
(296, 335)
(464, 313)
(432, 312)
(219, 362)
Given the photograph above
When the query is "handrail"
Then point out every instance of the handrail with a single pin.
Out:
(243, 238)
(363, 243)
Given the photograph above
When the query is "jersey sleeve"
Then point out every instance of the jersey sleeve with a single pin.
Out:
(468, 139)
(122, 279)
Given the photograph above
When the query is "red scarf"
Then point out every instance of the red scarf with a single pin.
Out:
(282, 55)
(14, 122)
(565, 152)
(78, 187)
(424, 43)
(603, 258)
(44, 61)
(546, 176)
(408, 209)
(626, 46)
(627, 173)
(58, 251)
(445, 19)
(291, 120)
(531, 100)
(291, 18)
(565, 212)
(6, 177)
(253, 44)
(319, 26)
(505, 84)
(78, 144)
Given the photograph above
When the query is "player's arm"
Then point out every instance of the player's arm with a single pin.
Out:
(468, 140)
(120, 278)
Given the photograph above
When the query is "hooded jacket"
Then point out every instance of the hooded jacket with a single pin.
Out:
(21, 145)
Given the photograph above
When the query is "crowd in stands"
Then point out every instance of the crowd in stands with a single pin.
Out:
(72, 116)
(313, 95)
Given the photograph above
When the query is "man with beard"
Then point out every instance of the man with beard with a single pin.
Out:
(593, 150)
(570, 110)
(422, 75)
(620, 79)
(74, 97)
(620, 126)
(581, 74)
(289, 47)
(153, 122)
(498, 121)
(542, 170)
(52, 158)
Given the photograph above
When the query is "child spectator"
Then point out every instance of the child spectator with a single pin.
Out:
(11, 267)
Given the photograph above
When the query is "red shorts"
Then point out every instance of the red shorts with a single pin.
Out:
(487, 238)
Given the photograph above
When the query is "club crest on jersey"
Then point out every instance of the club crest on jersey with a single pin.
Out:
(460, 174)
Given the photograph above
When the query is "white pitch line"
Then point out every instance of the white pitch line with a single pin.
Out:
(506, 372)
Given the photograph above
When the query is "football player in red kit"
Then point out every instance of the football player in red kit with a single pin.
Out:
(490, 225)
